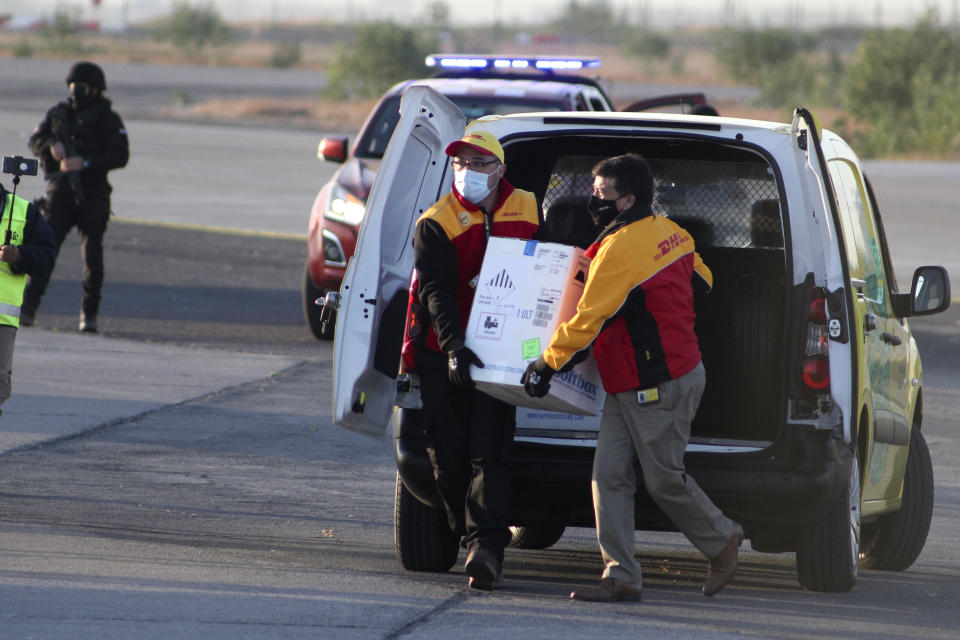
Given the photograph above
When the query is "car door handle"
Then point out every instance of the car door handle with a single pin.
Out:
(859, 285)
(870, 322)
(890, 338)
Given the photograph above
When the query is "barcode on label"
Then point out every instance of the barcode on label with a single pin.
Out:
(542, 316)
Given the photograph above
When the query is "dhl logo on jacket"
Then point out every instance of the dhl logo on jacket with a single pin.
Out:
(637, 306)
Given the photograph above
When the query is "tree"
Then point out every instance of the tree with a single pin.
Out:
(193, 28)
(904, 87)
(60, 32)
(650, 45)
(593, 21)
(777, 61)
(882, 80)
(382, 54)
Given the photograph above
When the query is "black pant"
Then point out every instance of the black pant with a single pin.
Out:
(470, 438)
(90, 218)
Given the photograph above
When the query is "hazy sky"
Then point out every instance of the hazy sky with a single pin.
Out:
(661, 14)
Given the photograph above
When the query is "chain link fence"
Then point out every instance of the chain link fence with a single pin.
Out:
(721, 204)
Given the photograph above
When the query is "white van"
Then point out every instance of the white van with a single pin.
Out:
(809, 431)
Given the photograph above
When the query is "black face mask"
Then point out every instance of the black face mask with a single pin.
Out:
(80, 96)
(602, 211)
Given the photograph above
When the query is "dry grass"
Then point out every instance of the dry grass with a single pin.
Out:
(147, 50)
(299, 113)
(693, 66)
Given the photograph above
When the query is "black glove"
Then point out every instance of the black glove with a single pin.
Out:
(458, 366)
(536, 379)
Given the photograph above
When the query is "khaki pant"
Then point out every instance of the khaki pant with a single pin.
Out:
(657, 436)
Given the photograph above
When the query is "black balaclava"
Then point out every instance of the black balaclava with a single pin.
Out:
(81, 96)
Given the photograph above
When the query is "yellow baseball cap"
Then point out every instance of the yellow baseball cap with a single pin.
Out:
(481, 141)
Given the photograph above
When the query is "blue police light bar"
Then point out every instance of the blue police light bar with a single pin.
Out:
(552, 63)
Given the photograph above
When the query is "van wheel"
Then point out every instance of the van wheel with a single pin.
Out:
(894, 541)
(829, 550)
(536, 535)
(423, 537)
(311, 310)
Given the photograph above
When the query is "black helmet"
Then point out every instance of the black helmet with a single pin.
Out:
(87, 72)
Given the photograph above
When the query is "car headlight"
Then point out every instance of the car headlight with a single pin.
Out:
(344, 207)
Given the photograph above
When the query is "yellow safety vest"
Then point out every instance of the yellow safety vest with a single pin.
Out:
(12, 284)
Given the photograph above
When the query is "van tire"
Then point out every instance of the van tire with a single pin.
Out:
(311, 310)
(828, 551)
(895, 541)
(422, 535)
(536, 535)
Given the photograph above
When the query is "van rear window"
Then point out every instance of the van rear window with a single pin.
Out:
(721, 202)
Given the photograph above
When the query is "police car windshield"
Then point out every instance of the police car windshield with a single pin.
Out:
(373, 142)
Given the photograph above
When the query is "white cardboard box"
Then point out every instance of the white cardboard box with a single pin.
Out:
(525, 290)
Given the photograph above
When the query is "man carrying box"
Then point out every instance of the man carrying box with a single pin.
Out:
(637, 312)
(470, 433)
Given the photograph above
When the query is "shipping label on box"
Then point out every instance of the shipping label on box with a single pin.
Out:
(525, 290)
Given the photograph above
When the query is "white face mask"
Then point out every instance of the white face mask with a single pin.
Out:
(472, 185)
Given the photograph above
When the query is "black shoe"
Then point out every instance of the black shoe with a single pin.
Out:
(88, 323)
(484, 569)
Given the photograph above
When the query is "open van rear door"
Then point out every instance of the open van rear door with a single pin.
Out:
(373, 296)
(834, 277)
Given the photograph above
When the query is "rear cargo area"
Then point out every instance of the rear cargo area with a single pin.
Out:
(728, 198)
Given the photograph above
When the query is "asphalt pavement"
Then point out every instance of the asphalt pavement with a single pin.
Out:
(68, 383)
(176, 322)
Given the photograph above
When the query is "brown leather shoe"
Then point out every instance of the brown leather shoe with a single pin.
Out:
(724, 566)
(483, 569)
(609, 590)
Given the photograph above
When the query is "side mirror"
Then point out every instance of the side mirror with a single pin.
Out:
(930, 292)
(333, 149)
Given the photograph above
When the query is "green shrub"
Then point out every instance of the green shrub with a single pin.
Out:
(592, 21)
(382, 54)
(777, 61)
(60, 35)
(904, 88)
(23, 49)
(285, 55)
(646, 44)
(192, 28)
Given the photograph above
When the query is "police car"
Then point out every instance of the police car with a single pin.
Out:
(809, 432)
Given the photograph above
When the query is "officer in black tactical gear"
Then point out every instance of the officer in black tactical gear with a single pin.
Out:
(78, 142)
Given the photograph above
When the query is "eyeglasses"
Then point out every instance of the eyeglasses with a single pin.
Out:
(471, 164)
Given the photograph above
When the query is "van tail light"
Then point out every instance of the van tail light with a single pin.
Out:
(817, 311)
(815, 370)
(816, 373)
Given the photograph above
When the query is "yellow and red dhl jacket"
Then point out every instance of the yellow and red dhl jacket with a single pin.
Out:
(637, 305)
(449, 243)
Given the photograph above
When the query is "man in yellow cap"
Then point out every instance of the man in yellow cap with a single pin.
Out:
(470, 434)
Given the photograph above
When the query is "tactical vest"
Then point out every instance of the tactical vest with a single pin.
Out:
(12, 284)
